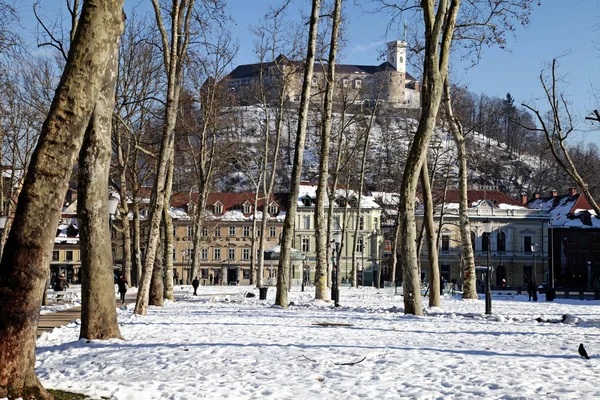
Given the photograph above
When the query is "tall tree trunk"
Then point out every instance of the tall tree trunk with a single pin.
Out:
(439, 28)
(166, 266)
(155, 297)
(431, 238)
(173, 60)
(137, 236)
(468, 256)
(321, 223)
(168, 261)
(24, 266)
(98, 315)
(281, 297)
(363, 168)
(124, 207)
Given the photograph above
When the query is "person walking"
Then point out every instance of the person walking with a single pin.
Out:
(122, 282)
(530, 289)
(195, 284)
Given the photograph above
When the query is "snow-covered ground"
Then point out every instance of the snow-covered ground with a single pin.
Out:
(223, 345)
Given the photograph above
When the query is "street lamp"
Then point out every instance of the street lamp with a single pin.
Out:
(487, 228)
(534, 248)
(589, 277)
(335, 290)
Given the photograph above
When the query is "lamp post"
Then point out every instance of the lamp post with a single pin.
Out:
(534, 248)
(113, 202)
(589, 275)
(335, 290)
(487, 228)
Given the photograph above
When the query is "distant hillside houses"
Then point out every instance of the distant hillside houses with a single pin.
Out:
(388, 81)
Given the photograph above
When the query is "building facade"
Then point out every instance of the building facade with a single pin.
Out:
(346, 216)
(517, 244)
(574, 235)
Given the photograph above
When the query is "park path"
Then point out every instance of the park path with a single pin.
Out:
(57, 319)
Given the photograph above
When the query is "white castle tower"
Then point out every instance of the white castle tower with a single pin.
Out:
(396, 55)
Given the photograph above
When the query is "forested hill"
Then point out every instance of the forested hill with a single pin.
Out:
(503, 153)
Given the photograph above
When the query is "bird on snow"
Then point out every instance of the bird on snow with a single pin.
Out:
(582, 352)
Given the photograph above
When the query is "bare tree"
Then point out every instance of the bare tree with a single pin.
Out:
(174, 49)
(24, 266)
(281, 297)
(557, 128)
(98, 315)
(321, 225)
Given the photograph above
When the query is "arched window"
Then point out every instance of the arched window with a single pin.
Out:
(501, 241)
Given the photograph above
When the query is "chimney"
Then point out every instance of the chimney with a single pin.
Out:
(523, 198)
(554, 193)
(537, 195)
(572, 191)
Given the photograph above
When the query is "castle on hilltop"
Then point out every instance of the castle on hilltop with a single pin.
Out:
(387, 82)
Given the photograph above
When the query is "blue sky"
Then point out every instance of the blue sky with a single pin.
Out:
(558, 28)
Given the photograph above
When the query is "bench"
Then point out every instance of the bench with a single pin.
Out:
(65, 296)
(504, 293)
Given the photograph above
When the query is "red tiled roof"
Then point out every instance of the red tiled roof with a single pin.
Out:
(452, 196)
(228, 200)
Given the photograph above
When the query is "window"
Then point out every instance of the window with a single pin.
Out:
(273, 209)
(258, 232)
(375, 223)
(336, 222)
(55, 255)
(570, 239)
(273, 231)
(204, 273)
(307, 201)
(247, 208)
(174, 231)
(232, 231)
(204, 232)
(218, 208)
(344, 82)
(314, 81)
(217, 253)
(246, 232)
(306, 222)
(360, 244)
(174, 254)
(361, 223)
(473, 240)
(501, 242)
(357, 84)
(245, 254)
(218, 231)
(583, 239)
(204, 253)
(69, 255)
(187, 254)
(485, 241)
(527, 242)
(190, 231)
(306, 245)
(445, 242)
(246, 273)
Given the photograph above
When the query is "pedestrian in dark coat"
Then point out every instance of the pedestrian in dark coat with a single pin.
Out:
(195, 284)
(61, 283)
(122, 282)
(530, 289)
